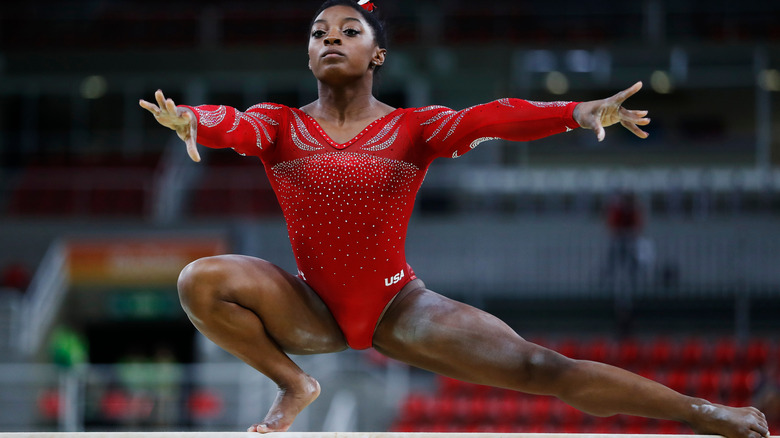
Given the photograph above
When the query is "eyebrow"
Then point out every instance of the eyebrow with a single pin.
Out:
(345, 19)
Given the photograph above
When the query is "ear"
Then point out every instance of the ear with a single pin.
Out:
(379, 56)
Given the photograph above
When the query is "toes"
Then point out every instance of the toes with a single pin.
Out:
(259, 428)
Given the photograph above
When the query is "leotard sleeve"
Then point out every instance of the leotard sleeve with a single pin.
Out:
(248, 132)
(449, 133)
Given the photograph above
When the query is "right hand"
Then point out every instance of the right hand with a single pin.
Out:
(181, 120)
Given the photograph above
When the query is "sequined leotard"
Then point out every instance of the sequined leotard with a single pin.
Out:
(347, 205)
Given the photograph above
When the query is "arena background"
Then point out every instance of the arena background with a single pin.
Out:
(100, 207)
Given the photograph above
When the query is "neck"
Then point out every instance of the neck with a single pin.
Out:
(344, 103)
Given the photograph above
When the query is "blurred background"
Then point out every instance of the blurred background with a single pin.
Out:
(658, 255)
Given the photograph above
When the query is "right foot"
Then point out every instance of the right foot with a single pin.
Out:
(289, 402)
(711, 418)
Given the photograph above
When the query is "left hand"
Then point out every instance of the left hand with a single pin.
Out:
(598, 114)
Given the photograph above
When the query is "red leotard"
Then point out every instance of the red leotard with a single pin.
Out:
(347, 206)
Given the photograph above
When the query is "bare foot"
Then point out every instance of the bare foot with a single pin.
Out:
(715, 419)
(288, 404)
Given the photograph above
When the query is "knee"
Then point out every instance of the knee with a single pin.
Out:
(542, 369)
(203, 282)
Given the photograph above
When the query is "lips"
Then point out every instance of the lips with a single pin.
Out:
(332, 52)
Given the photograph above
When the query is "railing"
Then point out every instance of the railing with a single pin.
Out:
(42, 300)
(170, 396)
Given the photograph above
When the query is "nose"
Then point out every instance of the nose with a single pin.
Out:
(332, 38)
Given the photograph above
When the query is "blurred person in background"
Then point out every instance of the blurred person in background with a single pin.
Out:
(624, 222)
(346, 169)
(627, 253)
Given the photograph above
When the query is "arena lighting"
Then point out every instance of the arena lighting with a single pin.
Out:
(769, 80)
(556, 82)
(661, 82)
(580, 61)
(93, 87)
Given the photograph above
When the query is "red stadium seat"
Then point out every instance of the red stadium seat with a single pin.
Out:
(661, 352)
(692, 353)
(629, 353)
(757, 353)
(725, 352)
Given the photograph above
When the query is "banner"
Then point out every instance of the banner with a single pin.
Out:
(139, 261)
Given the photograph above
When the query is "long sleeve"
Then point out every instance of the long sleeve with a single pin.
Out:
(248, 132)
(453, 133)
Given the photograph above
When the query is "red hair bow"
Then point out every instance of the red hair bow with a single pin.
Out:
(367, 5)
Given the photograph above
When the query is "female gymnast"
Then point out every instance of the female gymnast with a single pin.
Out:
(345, 169)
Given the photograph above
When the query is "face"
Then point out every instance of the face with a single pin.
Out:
(342, 45)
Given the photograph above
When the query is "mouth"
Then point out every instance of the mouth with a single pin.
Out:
(331, 53)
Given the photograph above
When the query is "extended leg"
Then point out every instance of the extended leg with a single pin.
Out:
(432, 332)
(257, 312)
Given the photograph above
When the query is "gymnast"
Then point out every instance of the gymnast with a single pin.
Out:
(346, 169)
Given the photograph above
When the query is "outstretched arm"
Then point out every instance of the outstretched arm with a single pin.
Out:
(598, 114)
(180, 119)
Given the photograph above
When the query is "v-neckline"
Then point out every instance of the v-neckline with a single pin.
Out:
(357, 137)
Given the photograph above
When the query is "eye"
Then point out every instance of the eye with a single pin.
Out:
(351, 32)
(318, 33)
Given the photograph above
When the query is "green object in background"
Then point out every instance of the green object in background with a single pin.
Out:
(68, 348)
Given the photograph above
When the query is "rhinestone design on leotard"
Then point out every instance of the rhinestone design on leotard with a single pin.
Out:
(312, 145)
(211, 119)
(557, 104)
(334, 221)
(382, 136)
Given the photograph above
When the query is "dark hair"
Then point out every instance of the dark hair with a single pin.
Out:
(377, 26)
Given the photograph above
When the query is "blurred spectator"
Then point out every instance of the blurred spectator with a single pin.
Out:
(16, 276)
(624, 220)
(625, 253)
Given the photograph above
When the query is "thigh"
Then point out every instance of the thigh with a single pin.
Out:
(433, 332)
(291, 313)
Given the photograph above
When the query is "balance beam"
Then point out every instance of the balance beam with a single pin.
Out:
(332, 435)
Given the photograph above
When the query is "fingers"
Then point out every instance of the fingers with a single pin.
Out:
(160, 97)
(192, 147)
(634, 129)
(630, 119)
(638, 117)
(600, 133)
(628, 92)
(152, 108)
(167, 114)
(170, 106)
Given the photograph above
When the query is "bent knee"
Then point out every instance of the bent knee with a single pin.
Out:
(207, 280)
(198, 281)
(231, 278)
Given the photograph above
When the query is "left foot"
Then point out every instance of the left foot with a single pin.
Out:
(288, 404)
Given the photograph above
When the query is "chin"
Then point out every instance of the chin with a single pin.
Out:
(338, 76)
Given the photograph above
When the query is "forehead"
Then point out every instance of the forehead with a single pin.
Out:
(339, 14)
